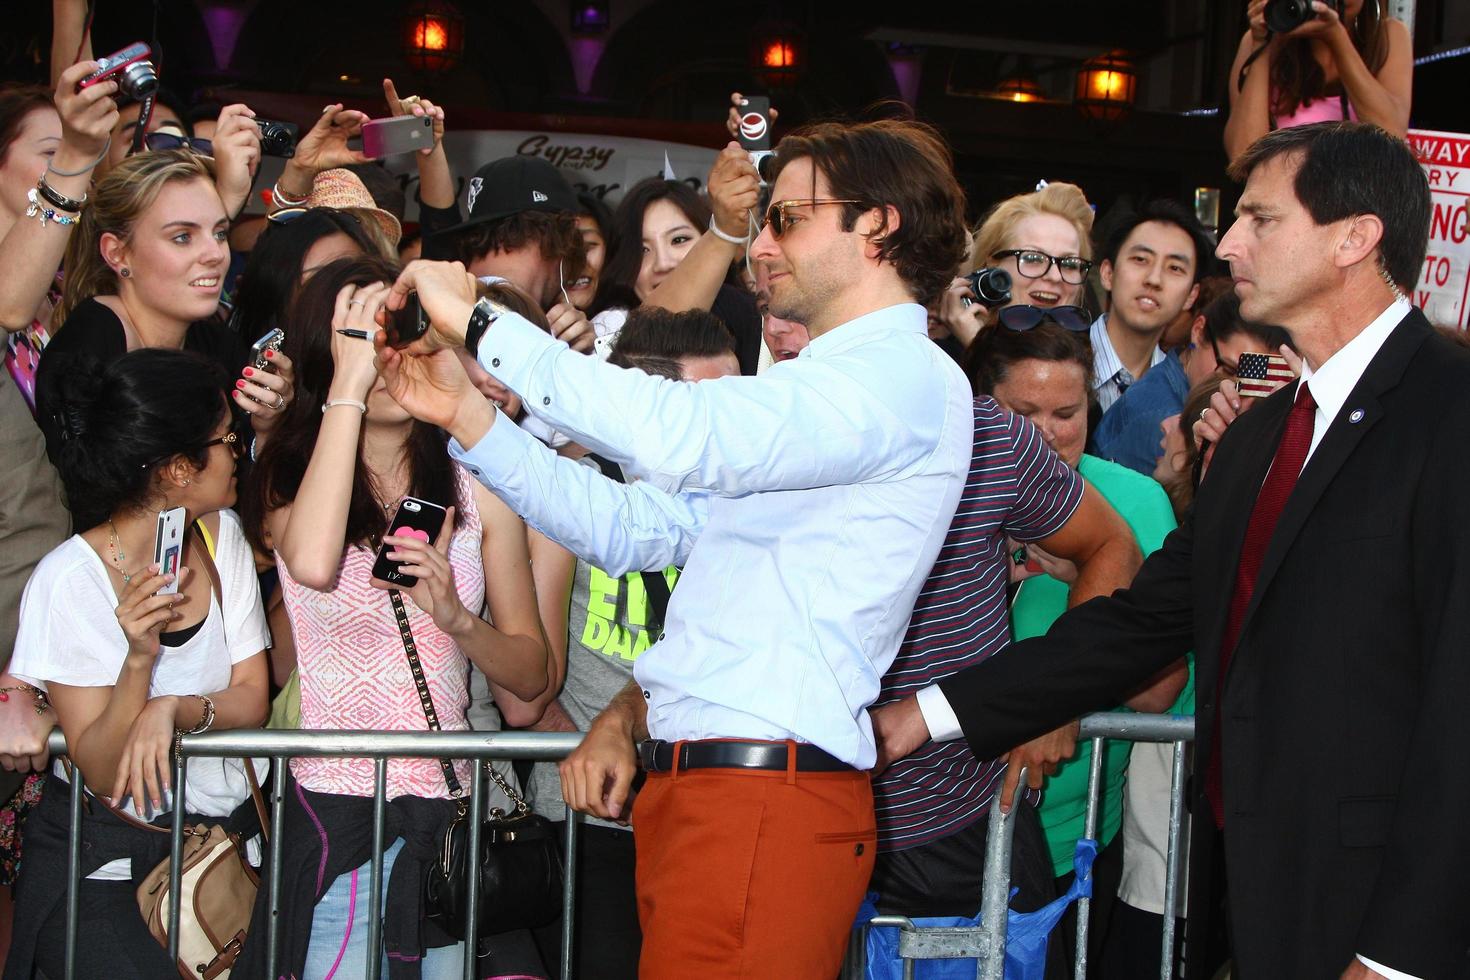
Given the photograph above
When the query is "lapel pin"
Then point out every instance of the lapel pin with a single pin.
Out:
(1356, 417)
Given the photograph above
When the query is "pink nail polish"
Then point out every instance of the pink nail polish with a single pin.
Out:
(249, 371)
(239, 384)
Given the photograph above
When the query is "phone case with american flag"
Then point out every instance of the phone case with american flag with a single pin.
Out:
(1261, 374)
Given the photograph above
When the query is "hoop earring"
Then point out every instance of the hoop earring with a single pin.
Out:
(125, 272)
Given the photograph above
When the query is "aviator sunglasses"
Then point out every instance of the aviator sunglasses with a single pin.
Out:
(776, 218)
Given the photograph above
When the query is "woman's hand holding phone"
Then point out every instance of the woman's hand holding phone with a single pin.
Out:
(434, 591)
(265, 395)
(143, 614)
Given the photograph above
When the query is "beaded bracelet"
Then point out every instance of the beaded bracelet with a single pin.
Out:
(205, 723)
(38, 695)
(281, 200)
(44, 214)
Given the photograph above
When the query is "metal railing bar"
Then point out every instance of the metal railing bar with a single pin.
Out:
(303, 744)
(1089, 831)
(375, 877)
(1138, 728)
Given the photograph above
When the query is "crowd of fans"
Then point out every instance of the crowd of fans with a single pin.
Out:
(136, 299)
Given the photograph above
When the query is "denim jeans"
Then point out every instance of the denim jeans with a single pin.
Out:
(339, 931)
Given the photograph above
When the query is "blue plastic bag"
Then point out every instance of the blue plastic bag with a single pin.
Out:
(1026, 933)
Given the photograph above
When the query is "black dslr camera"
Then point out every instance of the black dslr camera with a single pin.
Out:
(277, 139)
(1283, 16)
(992, 287)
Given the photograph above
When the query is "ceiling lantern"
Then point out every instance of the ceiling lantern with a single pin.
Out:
(1106, 86)
(433, 36)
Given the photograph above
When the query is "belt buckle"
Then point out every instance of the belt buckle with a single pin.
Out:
(647, 753)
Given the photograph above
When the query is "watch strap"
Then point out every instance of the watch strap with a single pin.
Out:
(482, 315)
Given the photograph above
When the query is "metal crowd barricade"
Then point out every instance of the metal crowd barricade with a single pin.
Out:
(986, 942)
(281, 745)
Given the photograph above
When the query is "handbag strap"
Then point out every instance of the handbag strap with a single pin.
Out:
(426, 700)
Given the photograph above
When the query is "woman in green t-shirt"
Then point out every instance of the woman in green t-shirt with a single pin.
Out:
(1045, 374)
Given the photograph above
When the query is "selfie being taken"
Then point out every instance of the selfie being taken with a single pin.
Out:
(813, 492)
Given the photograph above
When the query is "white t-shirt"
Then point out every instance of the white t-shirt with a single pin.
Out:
(69, 634)
(1145, 831)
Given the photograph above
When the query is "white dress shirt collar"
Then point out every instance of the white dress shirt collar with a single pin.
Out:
(1334, 381)
(904, 317)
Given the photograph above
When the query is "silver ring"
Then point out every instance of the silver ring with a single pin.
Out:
(1203, 411)
(280, 401)
(356, 302)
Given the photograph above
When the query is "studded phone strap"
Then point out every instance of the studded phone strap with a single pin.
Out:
(456, 789)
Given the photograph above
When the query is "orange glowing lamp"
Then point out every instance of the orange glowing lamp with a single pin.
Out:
(1106, 86)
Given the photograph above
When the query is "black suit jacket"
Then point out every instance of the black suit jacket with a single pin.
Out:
(1345, 714)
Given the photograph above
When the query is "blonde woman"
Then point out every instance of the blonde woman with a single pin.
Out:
(1043, 239)
(145, 269)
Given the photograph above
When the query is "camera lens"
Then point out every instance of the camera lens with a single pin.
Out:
(138, 80)
(991, 286)
(1287, 15)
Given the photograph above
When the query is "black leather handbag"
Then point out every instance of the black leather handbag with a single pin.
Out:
(520, 867)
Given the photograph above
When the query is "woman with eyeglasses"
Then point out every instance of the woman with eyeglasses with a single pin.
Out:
(1043, 241)
(144, 270)
(1037, 363)
(130, 657)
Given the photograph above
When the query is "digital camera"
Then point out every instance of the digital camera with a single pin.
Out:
(1283, 16)
(277, 139)
(992, 287)
(135, 75)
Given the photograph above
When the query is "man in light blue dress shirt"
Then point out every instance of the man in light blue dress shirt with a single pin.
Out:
(806, 506)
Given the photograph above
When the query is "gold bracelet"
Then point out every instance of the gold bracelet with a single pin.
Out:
(38, 695)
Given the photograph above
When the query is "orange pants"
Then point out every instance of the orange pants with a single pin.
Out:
(749, 873)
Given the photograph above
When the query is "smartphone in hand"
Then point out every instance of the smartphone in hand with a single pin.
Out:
(271, 341)
(414, 518)
(1258, 375)
(397, 134)
(168, 547)
(405, 326)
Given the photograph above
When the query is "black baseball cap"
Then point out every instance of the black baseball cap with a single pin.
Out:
(511, 185)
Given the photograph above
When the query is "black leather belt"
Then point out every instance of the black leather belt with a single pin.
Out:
(656, 755)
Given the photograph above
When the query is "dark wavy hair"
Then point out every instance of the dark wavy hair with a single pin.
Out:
(555, 234)
(276, 477)
(989, 359)
(272, 275)
(652, 332)
(625, 236)
(899, 163)
(1346, 169)
(1297, 77)
(121, 422)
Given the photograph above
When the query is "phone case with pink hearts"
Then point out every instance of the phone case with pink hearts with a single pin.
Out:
(414, 518)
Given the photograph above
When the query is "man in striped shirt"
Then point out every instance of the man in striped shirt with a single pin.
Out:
(932, 806)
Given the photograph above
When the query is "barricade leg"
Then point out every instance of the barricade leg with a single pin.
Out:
(176, 859)
(278, 826)
(569, 894)
(1094, 804)
(1171, 863)
(995, 890)
(472, 886)
(375, 878)
(74, 872)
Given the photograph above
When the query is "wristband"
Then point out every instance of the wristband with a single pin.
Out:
(38, 696)
(205, 723)
(91, 166)
(44, 214)
(280, 199)
(720, 234)
(57, 199)
(360, 406)
(484, 313)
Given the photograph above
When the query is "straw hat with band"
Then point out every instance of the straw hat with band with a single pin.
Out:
(345, 191)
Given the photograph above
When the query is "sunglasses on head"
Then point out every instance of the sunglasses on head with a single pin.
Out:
(1023, 318)
(779, 222)
(172, 141)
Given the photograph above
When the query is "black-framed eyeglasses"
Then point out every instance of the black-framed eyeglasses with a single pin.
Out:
(1034, 264)
(1023, 318)
(776, 213)
(172, 141)
(1229, 369)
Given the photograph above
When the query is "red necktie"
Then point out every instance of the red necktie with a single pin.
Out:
(1286, 466)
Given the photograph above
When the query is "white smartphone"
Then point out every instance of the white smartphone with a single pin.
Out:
(168, 546)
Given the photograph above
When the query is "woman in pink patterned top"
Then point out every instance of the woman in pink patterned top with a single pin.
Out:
(323, 491)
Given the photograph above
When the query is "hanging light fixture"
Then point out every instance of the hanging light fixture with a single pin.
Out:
(434, 36)
(1020, 89)
(778, 54)
(1106, 86)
